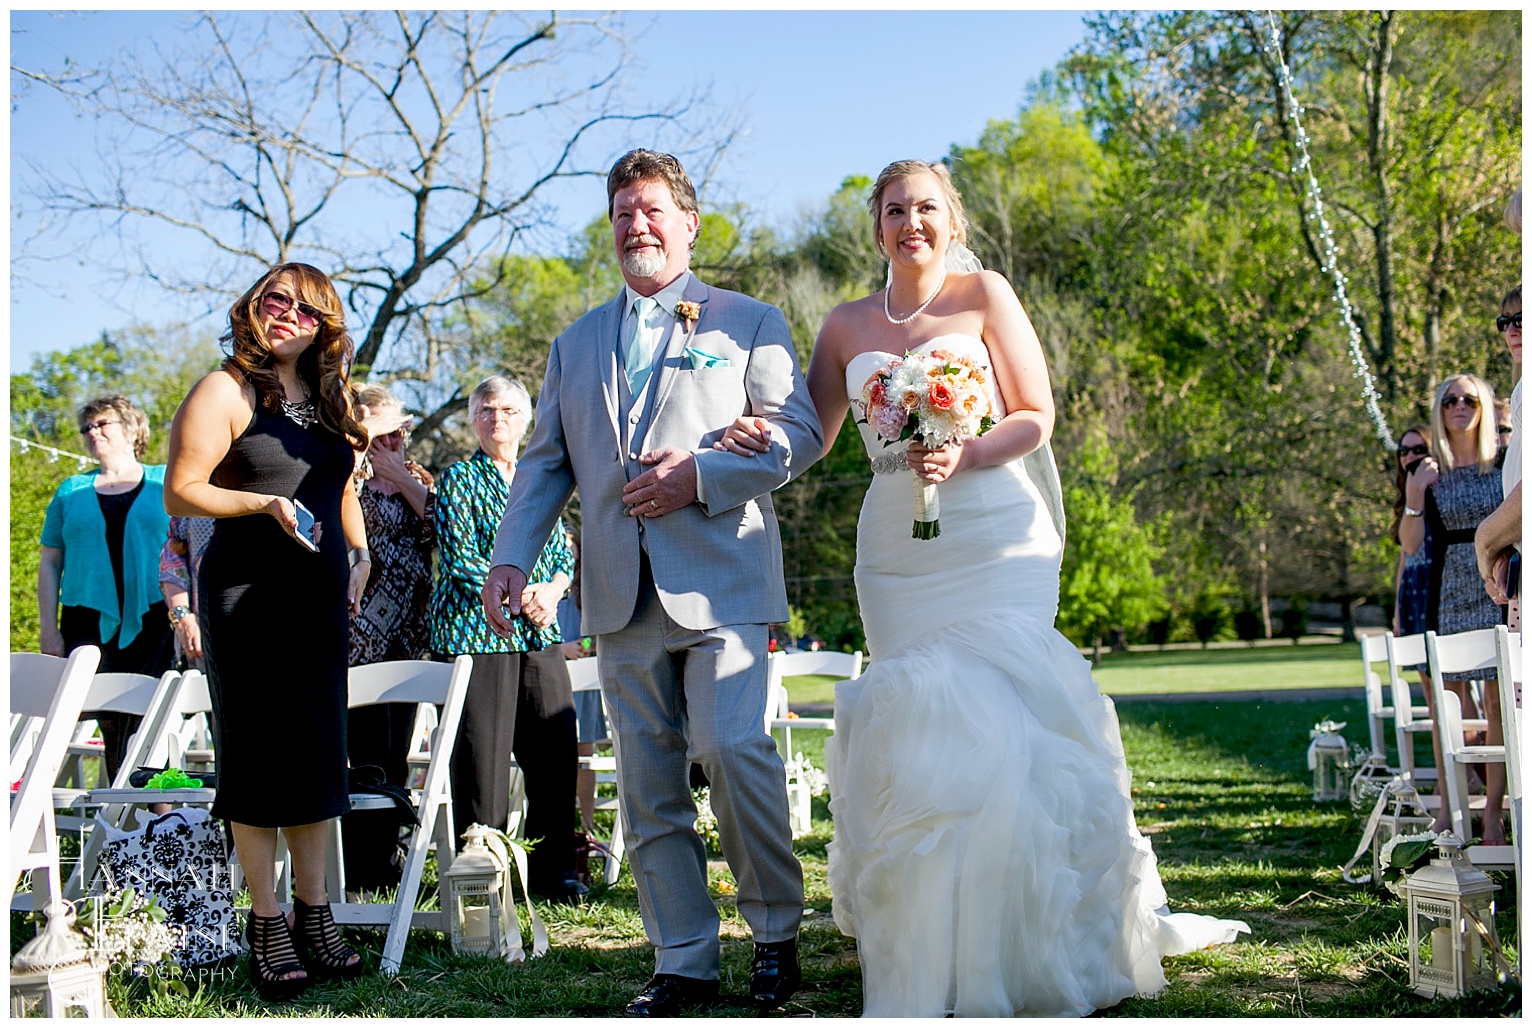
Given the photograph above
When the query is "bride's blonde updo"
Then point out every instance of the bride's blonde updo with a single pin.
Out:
(904, 169)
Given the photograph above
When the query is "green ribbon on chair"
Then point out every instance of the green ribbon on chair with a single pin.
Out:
(173, 778)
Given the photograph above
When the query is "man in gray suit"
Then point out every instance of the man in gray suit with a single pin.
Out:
(682, 567)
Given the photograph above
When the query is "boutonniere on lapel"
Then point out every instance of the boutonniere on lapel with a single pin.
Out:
(688, 312)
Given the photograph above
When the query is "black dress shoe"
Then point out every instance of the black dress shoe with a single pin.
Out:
(667, 995)
(774, 974)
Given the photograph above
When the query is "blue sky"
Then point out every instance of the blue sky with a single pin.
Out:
(825, 95)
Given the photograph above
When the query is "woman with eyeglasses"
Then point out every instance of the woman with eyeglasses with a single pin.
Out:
(266, 446)
(519, 696)
(1454, 490)
(100, 556)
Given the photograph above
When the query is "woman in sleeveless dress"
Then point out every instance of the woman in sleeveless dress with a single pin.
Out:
(270, 430)
(1454, 490)
(985, 854)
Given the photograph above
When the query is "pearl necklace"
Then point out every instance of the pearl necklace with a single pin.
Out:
(918, 310)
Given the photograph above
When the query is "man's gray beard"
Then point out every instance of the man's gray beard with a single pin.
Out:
(643, 265)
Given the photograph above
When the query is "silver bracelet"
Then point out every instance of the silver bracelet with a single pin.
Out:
(359, 555)
(1411, 512)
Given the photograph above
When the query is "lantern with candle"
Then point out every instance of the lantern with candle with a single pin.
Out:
(1330, 762)
(56, 974)
(474, 890)
(1452, 924)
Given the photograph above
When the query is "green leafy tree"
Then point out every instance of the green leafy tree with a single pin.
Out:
(1108, 581)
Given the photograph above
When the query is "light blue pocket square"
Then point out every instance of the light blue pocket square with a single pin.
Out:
(697, 359)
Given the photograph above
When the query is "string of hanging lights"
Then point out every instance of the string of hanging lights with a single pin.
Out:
(27, 445)
(1331, 265)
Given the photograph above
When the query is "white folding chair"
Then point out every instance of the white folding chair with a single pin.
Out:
(1410, 720)
(52, 691)
(171, 736)
(153, 701)
(818, 662)
(782, 666)
(408, 681)
(584, 677)
(1508, 676)
(1380, 708)
(1446, 654)
(189, 743)
(117, 692)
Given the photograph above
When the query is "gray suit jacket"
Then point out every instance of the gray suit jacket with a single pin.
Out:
(719, 565)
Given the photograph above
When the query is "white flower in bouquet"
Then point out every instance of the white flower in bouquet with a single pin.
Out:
(934, 398)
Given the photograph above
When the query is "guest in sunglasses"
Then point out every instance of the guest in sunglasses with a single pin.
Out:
(266, 446)
(1454, 491)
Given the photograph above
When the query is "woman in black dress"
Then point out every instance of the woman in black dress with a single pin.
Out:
(255, 443)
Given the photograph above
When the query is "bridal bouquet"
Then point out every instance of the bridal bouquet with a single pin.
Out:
(935, 398)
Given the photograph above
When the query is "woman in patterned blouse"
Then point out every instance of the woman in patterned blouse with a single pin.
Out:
(391, 625)
(519, 697)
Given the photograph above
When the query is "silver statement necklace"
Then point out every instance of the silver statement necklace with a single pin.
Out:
(918, 310)
(301, 413)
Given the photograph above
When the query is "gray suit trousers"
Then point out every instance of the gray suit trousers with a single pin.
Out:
(676, 696)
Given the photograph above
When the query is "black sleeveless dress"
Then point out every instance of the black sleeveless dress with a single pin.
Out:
(276, 631)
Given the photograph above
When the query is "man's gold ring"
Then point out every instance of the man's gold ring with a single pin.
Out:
(654, 504)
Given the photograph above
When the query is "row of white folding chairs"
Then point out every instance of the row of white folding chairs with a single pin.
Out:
(428, 684)
(1496, 654)
(55, 700)
(47, 696)
(35, 676)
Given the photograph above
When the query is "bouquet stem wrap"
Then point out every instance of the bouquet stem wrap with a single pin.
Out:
(928, 511)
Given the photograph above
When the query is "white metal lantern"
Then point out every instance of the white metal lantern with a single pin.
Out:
(1452, 924)
(1401, 817)
(1330, 761)
(1369, 782)
(473, 890)
(56, 974)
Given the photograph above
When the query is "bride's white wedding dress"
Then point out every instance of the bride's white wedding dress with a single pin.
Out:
(985, 854)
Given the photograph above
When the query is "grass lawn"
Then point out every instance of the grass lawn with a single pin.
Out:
(1220, 788)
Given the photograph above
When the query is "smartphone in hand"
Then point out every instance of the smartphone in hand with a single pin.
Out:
(305, 533)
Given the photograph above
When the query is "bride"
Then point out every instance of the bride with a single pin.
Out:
(985, 855)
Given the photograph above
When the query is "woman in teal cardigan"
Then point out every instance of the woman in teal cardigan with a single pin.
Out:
(100, 557)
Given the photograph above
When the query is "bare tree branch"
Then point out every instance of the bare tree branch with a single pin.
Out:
(405, 152)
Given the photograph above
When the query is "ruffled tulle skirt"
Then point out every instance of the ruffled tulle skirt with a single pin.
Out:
(985, 853)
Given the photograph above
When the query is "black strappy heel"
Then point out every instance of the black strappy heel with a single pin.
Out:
(326, 953)
(272, 957)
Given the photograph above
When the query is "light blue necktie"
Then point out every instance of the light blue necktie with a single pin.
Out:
(640, 352)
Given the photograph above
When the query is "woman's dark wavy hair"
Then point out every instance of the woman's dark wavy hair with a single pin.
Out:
(1424, 431)
(325, 366)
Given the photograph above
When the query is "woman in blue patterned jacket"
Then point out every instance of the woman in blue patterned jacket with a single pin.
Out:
(519, 698)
